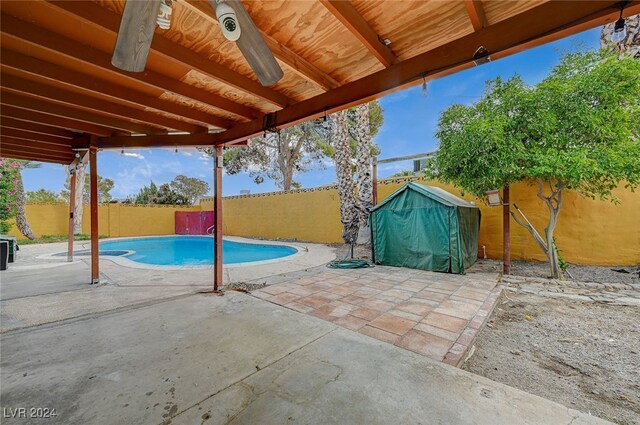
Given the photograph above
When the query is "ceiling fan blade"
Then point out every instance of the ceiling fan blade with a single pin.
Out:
(254, 48)
(135, 35)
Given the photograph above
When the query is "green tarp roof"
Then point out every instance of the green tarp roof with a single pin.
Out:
(432, 192)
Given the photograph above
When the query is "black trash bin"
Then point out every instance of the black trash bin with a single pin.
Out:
(4, 254)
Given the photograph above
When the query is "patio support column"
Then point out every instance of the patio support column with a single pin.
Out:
(506, 232)
(374, 172)
(217, 219)
(95, 250)
(72, 205)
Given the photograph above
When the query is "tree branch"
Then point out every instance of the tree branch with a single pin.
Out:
(527, 225)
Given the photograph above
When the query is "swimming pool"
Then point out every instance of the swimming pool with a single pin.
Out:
(193, 250)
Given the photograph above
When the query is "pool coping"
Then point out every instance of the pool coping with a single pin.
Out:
(301, 250)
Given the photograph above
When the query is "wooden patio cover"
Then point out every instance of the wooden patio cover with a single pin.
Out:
(59, 90)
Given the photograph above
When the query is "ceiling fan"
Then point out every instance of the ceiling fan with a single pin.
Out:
(138, 23)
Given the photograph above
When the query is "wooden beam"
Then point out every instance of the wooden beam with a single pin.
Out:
(35, 37)
(38, 137)
(33, 104)
(33, 117)
(94, 16)
(95, 249)
(58, 74)
(100, 106)
(8, 122)
(297, 63)
(355, 23)
(35, 155)
(17, 145)
(217, 220)
(476, 14)
(10, 142)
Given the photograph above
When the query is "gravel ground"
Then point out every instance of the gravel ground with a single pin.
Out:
(628, 275)
(583, 355)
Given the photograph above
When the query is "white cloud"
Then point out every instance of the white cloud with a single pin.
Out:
(186, 153)
(133, 155)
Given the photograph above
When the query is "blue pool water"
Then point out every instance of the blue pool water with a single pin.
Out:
(193, 250)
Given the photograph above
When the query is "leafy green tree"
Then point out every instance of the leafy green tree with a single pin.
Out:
(147, 194)
(43, 195)
(163, 195)
(190, 188)
(404, 173)
(9, 174)
(577, 130)
(292, 151)
(104, 190)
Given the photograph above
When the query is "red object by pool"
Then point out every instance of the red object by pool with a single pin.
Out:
(193, 223)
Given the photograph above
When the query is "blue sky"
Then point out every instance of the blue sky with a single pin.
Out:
(410, 121)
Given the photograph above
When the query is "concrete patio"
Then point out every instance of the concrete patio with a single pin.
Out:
(149, 349)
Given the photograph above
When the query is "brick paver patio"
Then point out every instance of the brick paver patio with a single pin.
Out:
(434, 314)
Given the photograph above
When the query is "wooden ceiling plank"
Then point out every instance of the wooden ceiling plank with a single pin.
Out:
(476, 14)
(40, 38)
(356, 24)
(8, 122)
(298, 64)
(17, 61)
(96, 16)
(36, 118)
(22, 85)
(33, 104)
(28, 135)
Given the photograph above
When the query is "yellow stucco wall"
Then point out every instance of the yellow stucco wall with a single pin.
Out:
(114, 220)
(588, 232)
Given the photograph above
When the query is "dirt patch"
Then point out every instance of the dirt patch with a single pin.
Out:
(629, 275)
(583, 355)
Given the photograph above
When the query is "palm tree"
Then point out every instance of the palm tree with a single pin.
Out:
(363, 169)
(344, 172)
(21, 216)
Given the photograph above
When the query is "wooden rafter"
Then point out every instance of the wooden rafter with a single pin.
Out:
(8, 122)
(31, 36)
(547, 22)
(38, 118)
(57, 73)
(298, 64)
(9, 142)
(34, 154)
(29, 135)
(96, 17)
(355, 23)
(476, 14)
(22, 85)
(60, 110)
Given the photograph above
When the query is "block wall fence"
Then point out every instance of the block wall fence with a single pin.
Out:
(589, 231)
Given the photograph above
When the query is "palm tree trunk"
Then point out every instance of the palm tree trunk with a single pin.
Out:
(80, 176)
(21, 214)
(363, 169)
(348, 214)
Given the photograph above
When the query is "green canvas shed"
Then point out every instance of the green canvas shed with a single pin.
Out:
(425, 227)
